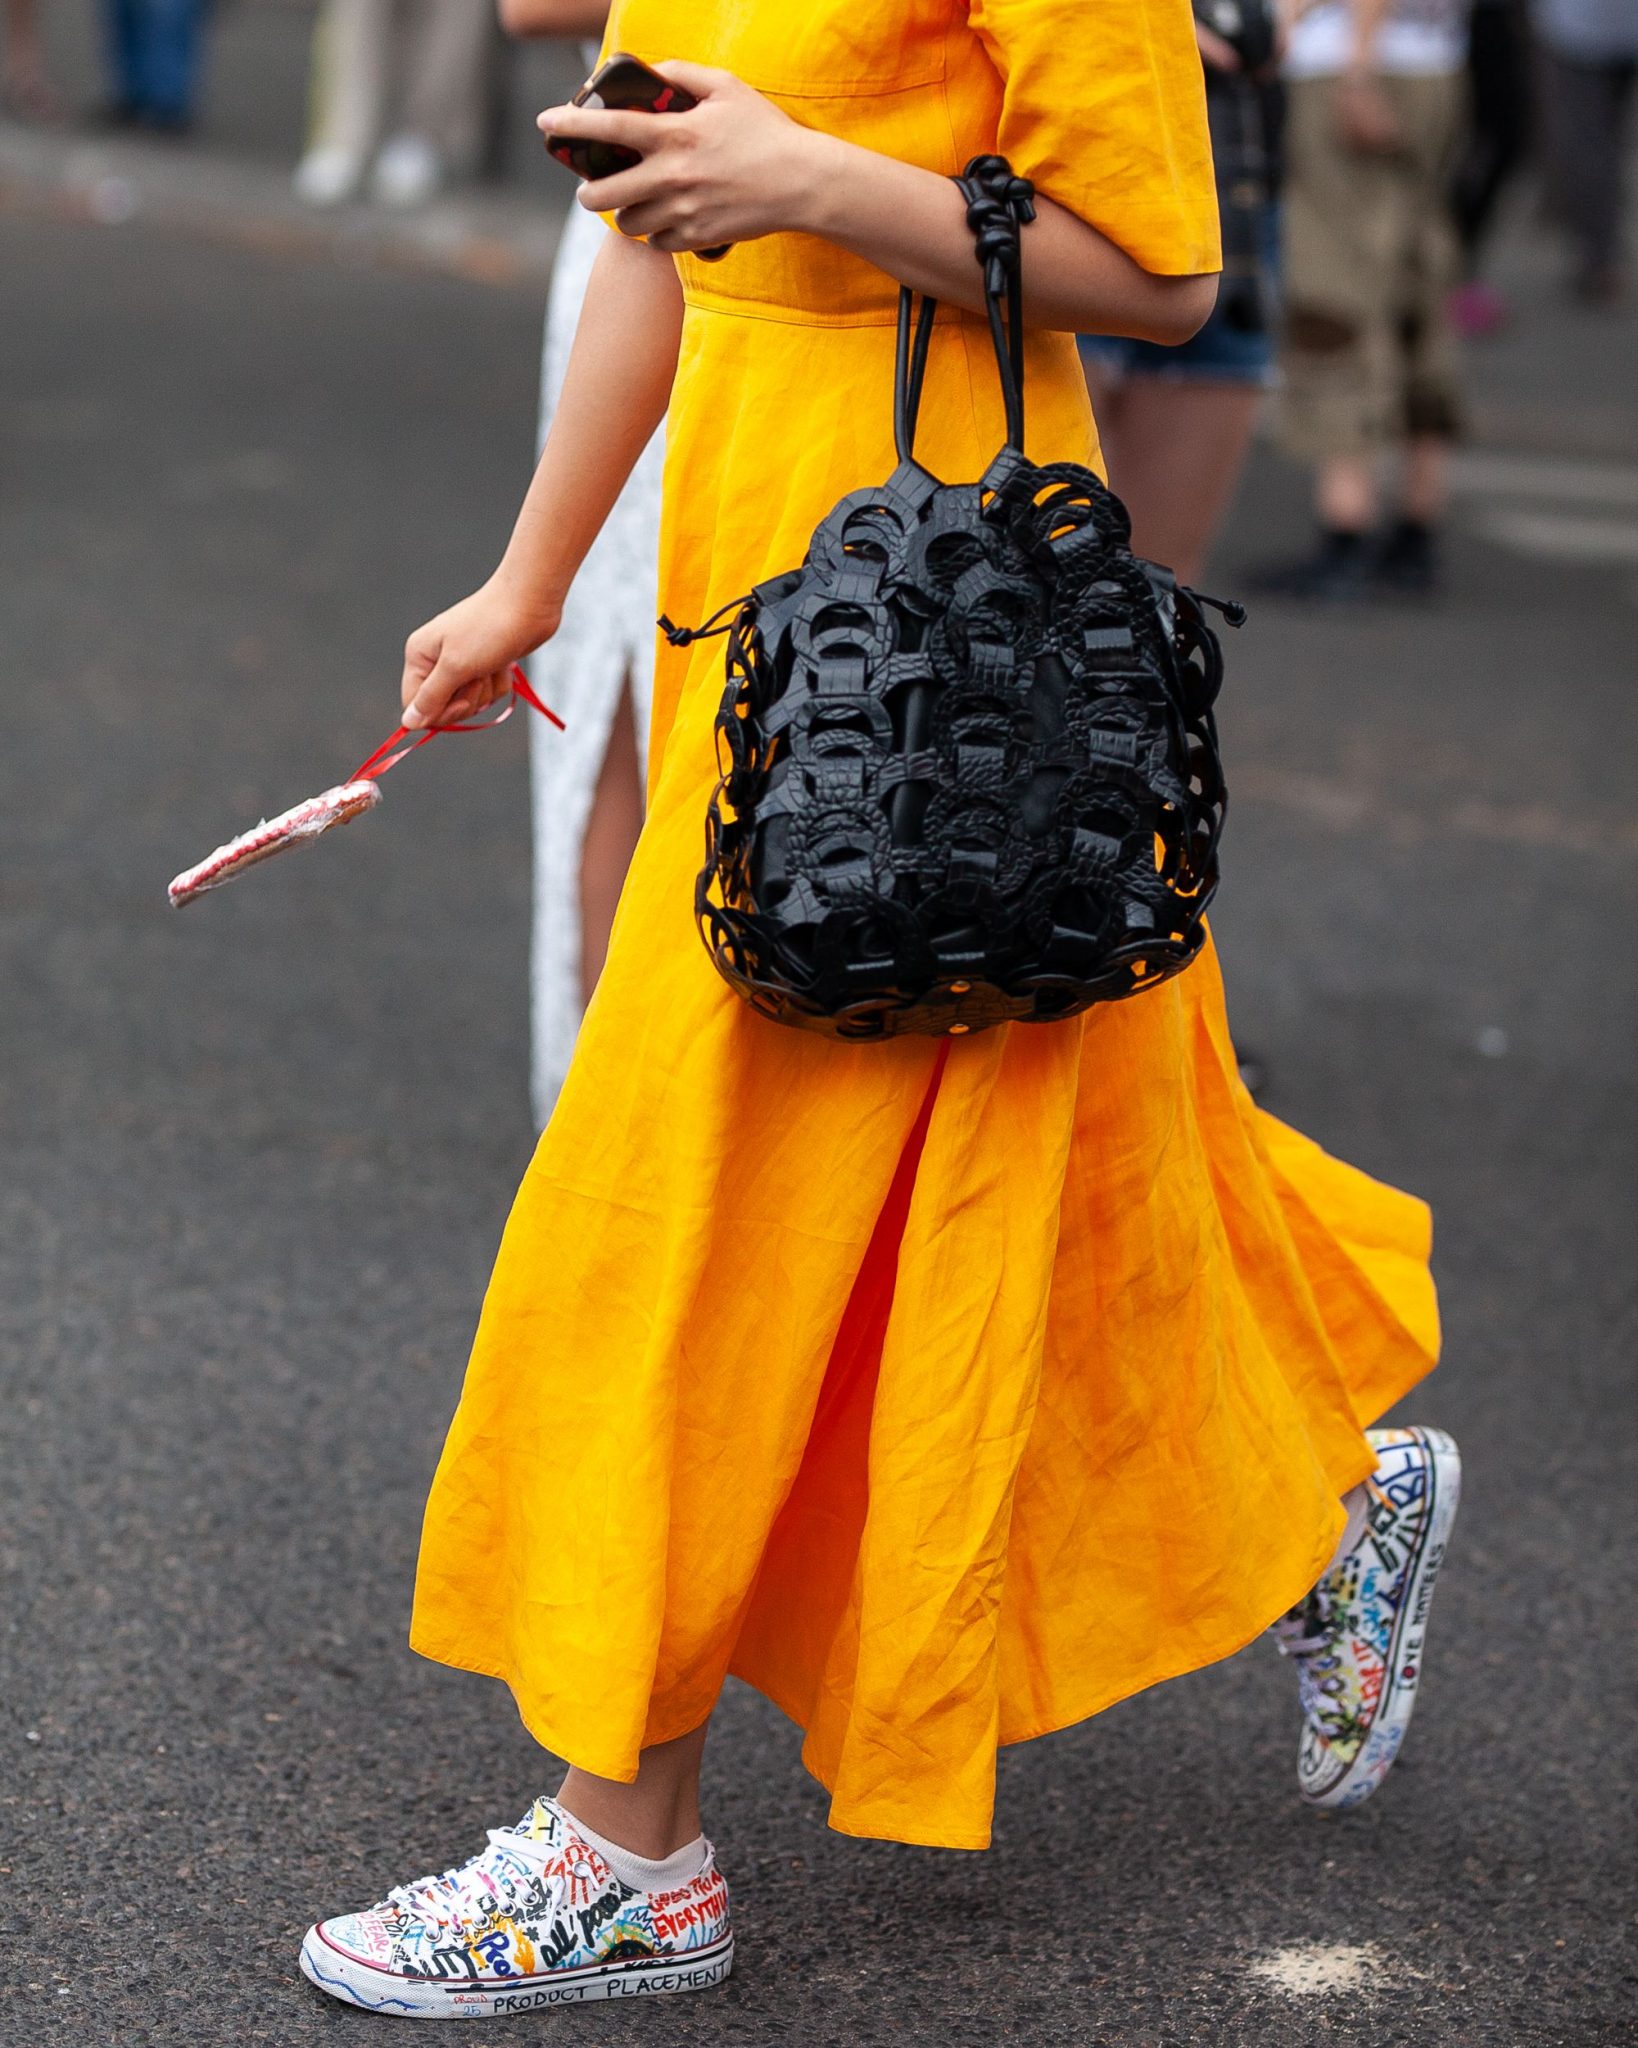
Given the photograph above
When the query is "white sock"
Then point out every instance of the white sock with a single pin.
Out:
(669, 1874)
(1358, 1505)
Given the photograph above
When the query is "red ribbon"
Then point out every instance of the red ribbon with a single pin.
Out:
(375, 765)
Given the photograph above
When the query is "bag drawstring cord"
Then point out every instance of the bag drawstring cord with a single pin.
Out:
(1234, 613)
(683, 636)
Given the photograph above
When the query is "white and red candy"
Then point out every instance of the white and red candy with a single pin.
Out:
(338, 806)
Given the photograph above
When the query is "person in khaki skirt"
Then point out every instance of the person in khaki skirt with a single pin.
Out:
(1375, 109)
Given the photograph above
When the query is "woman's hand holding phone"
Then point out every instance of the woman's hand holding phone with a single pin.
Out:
(729, 169)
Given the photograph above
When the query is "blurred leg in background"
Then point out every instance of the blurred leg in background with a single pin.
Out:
(1175, 424)
(1175, 445)
(440, 134)
(172, 40)
(352, 52)
(24, 89)
(1427, 406)
(153, 50)
(122, 39)
(1588, 65)
(372, 58)
(612, 826)
(1495, 144)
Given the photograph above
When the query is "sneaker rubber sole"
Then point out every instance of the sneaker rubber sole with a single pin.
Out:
(356, 1982)
(1360, 1778)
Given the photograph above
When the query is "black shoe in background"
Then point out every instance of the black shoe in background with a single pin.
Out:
(1338, 572)
(1407, 559)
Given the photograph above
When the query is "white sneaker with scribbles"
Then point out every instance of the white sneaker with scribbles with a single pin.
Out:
(1359, 1639)
(537, 1919)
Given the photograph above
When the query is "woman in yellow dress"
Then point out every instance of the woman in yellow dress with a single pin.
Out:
(947, 1392)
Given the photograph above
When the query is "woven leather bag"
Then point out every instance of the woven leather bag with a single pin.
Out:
(969, 769)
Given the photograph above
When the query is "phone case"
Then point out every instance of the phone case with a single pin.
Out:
(627, 85)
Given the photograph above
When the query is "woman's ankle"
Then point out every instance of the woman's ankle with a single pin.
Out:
(654, 1816)
(652, 1832)
(1357, 1506)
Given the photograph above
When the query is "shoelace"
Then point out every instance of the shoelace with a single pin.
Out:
(1308, 1626)
(1308, 1636)
(492, 1881)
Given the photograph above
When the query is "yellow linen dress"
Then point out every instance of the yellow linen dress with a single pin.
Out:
(947, 1392)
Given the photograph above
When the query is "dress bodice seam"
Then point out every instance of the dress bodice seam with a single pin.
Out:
(763, 309)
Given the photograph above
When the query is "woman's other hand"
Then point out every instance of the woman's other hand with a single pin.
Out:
(1364, 116)
(459, 663)
(731, 169)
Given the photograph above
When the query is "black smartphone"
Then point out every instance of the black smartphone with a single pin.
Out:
(629, 86)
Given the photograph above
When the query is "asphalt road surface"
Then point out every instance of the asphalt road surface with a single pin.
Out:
(256, 1159)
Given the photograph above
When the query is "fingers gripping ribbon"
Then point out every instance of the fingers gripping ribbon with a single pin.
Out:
(316, 815)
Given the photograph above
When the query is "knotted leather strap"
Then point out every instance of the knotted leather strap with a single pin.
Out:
(999, 205)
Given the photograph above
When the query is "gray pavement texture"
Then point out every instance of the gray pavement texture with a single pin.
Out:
(256, 1159)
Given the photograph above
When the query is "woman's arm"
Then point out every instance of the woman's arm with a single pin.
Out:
(614, 395)
(913, 224)
(736, 167)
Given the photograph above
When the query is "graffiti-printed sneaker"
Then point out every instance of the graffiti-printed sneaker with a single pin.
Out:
(1359, 1638)
(538, 1919)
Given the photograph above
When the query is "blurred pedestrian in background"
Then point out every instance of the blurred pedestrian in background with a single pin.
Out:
(1175, 423)
(1589, 58)
(400, 83)
(597, 670)
(1495, 143)
(154, 53)
(1375, 104)
(23, 86)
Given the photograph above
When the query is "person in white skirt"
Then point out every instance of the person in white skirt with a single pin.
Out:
(596, 672)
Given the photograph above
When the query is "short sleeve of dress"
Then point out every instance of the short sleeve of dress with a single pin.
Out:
(1104, 109)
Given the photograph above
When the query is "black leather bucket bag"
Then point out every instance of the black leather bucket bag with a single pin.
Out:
(969, 769)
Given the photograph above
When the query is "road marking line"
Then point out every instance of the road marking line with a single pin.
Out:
(1564, 537)
(1483, 474)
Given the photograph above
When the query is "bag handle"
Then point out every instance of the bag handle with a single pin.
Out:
(999, 205)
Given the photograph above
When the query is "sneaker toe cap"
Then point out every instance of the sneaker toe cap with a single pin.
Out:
(366, 1937)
